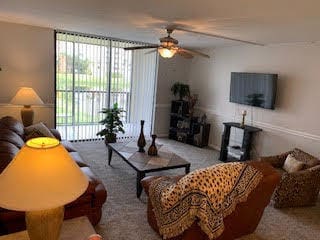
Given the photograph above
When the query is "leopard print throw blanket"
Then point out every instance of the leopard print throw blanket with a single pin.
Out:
(207, 195)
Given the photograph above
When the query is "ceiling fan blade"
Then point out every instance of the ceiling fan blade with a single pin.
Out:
(185, 54)
(140, 47)
(192, 52)
(218, 36)
(152, 51)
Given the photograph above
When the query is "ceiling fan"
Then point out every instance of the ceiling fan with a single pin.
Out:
(169, 46)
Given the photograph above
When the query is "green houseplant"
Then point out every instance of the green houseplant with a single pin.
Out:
(112, 124)
(180, 89)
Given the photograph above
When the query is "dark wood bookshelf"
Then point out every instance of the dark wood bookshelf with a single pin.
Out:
(190, 131)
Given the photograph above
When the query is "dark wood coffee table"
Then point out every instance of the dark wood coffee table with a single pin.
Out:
(143, 163)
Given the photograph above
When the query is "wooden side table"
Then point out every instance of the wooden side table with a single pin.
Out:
(73, 229)
(245, 148)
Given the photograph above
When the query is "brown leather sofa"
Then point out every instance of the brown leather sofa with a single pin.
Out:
(88, 204)
(246, 217)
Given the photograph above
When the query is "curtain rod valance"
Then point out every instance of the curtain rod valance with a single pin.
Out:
(88, 35)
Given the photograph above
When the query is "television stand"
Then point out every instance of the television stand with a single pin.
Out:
(237, 153)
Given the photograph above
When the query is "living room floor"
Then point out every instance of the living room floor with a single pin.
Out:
(124, 215)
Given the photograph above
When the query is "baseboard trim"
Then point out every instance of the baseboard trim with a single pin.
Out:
(215, 147)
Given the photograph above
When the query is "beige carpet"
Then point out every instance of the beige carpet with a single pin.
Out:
(124, 216)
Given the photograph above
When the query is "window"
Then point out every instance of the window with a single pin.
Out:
(96, 72)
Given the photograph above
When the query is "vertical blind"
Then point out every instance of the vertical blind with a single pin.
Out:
(96, 72)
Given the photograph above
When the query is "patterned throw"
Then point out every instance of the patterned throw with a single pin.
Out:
(207, 195)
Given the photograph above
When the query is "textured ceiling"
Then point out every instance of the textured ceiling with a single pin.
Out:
(267, 22)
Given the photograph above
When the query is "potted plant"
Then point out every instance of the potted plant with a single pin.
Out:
(112, 124)
(180, 89)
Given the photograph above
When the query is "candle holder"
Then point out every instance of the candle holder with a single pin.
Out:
(244, 113)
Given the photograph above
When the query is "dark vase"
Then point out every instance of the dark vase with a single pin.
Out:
(141, 140)
(152, 151)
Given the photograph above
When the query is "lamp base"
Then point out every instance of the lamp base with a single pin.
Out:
(45, 225)
(27, 115)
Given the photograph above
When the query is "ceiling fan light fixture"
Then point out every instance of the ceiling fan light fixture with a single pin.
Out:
(167, 53)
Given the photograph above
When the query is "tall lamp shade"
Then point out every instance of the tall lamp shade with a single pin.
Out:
(26, 97)
(40, 180)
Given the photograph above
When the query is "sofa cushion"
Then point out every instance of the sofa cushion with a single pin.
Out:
(10, 136)
(5, 159)
(37, 130)
(12, 124)
(9, 148)
(7, 153)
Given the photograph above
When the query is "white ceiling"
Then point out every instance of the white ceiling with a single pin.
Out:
(268, 21)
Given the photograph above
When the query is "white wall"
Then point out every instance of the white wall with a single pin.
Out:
(27, 59)
(294, 122)
(171, 70)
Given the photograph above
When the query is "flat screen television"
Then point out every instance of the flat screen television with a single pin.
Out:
(254, 89)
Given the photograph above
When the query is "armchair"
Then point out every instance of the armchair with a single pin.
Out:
(242, 221)
(299, 188)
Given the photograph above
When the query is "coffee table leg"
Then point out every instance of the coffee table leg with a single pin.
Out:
(140, 176)
(187, 169)
(109, 155)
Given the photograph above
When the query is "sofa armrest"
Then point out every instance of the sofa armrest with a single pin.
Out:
(276, 161)
(93, 181)
(315, 170)
(56, 133)
(307, 181)
(95, 193)
(146, 182)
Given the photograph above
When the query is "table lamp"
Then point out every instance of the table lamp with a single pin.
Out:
(26, 97)
(40, 180)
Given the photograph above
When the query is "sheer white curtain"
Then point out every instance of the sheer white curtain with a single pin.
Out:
(143, 89)
(96, 72)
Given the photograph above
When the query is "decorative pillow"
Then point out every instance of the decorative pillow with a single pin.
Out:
(37, 130)
(291, 164)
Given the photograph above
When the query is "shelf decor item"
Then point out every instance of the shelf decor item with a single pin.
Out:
(141, 141)
(180, 89)
(244, 113)
(40, 180)
(192, 99)
(26, 96)
(112, 123)
(153, 151)
(185, 128)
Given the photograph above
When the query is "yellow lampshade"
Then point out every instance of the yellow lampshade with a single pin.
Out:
(41, 176)
(166, 53)
(26, 96)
